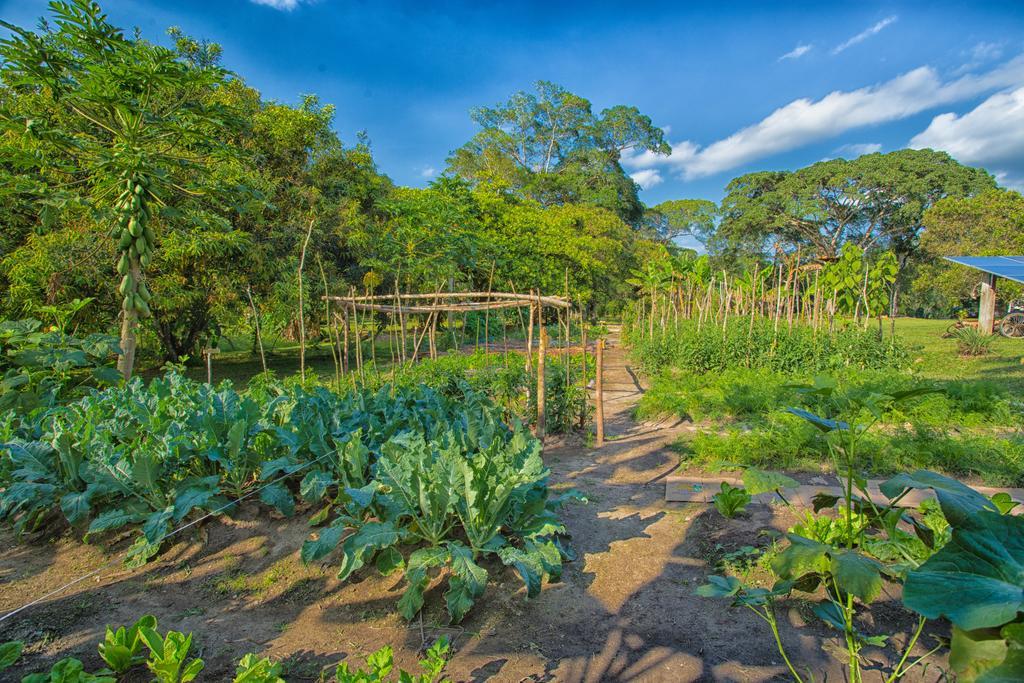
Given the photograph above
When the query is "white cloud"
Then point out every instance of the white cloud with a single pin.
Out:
(797, 52)
(857, 149)
(982, 53)
(285, 5)
(647, 178)
(990, 135)
(805, 121)
(428, 172)
(864, 35)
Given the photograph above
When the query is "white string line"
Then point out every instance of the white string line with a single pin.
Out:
(160, 541)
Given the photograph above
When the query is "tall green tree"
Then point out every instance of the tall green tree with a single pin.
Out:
(988, 224)
(548, 145)
(684, 217)
(875, 200)
(129, 119)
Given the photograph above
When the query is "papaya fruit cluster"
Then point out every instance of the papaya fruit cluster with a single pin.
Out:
(136, 243)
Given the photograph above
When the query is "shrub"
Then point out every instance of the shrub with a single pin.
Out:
(971, 342)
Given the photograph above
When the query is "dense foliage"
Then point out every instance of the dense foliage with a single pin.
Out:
(957, 564)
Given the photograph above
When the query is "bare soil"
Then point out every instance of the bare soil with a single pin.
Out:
(625, 610)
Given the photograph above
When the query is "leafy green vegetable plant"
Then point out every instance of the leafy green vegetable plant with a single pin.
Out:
(168, 656)
(121, 648)
(380, 664)
(731, 500)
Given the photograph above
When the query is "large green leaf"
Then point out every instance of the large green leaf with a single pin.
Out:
(327, 540)
(279, 497)
(971, 653)
(467, 582)
(958, 501)
(977, 579)
(800, 557)
(419, 563)
(196, 493)
(360, 546)
(857, 574)
(763, 481)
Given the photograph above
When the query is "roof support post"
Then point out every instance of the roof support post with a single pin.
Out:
(987, 304)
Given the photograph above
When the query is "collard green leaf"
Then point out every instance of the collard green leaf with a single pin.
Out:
(113, 519)
(280, 498)
(360, 546)
(195, 494)
(466, 584)
(977, 579)
(971, 653)
(412, 598)
(75, 505)
(327, 540)
(314, 485)
(389, 561)
(157, 524)
(527, 566)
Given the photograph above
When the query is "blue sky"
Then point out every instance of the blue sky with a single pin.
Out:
(738, 87)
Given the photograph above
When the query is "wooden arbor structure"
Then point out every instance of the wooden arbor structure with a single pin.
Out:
(428, 309)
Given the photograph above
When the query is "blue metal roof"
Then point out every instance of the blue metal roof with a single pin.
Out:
(1009, 267)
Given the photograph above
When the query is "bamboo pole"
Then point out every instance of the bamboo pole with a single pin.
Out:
(583, 362)
(529, 342)
(327, 317)
(553, 301)
(256, 323)
(541, 415)
(599, 393)
(302, 320)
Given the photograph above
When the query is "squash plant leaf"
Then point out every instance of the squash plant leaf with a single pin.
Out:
(857, 574)
(824, 424)
(958, 501)
(763, 481)
(977, 579)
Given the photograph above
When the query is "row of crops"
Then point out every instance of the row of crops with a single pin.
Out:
(410, 480)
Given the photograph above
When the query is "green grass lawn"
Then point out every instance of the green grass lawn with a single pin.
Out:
(937, 357)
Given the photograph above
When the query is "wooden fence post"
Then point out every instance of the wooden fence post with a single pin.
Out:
(599, 393)
(541, 417)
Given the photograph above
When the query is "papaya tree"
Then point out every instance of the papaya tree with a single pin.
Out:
(132, 124)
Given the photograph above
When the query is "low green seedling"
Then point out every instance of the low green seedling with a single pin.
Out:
(253, 669)
(380, 664)
(121, 649)
(168, 656)
(731, 500)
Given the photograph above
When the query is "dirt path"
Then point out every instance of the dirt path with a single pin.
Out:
(624, 611)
